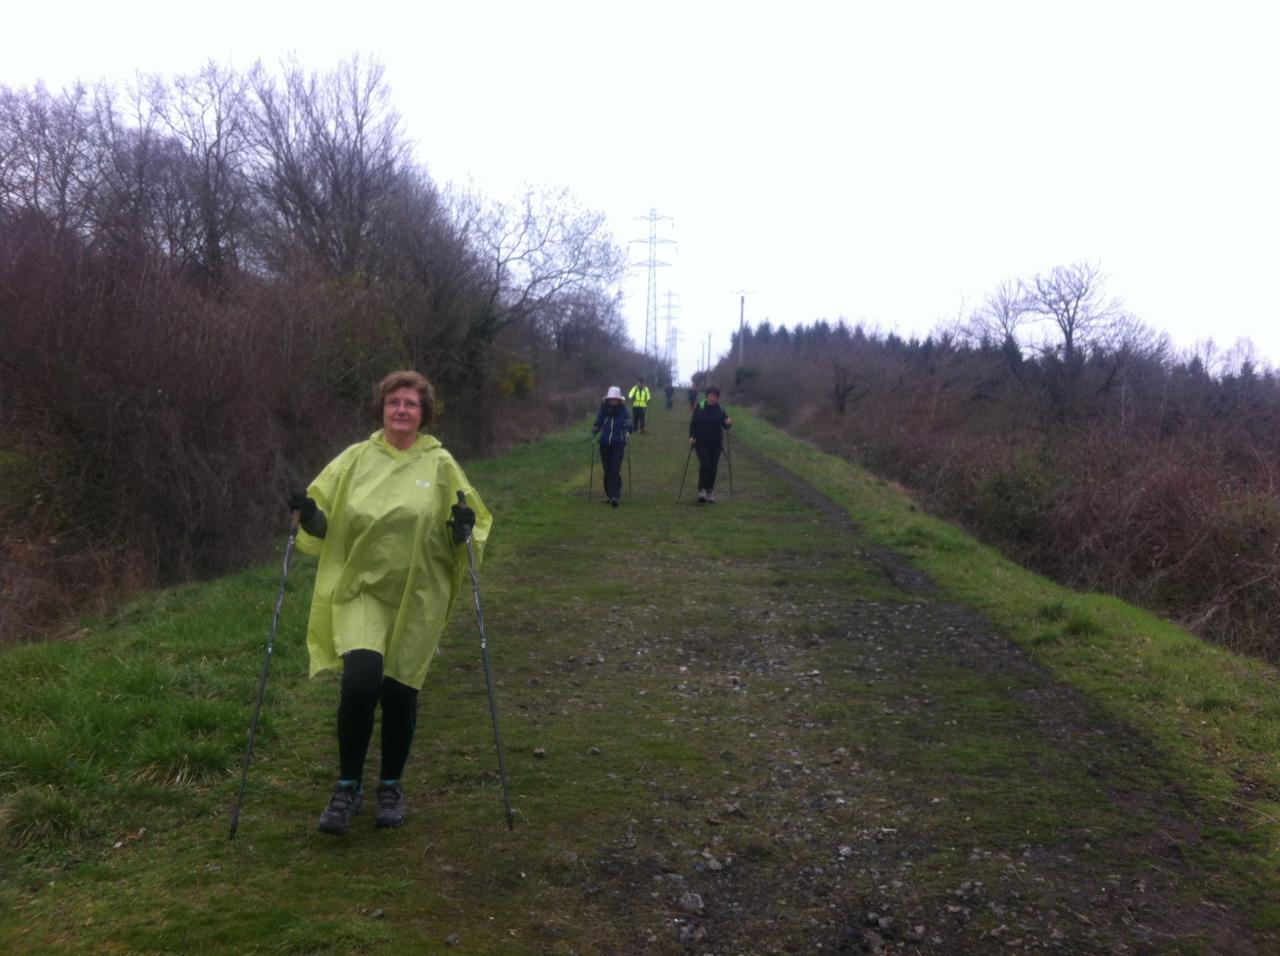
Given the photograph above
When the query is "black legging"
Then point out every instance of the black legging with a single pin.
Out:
(708, 462)
(363, 687)
(611, 459)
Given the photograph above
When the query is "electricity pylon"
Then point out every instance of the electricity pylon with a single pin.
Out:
(669, 355)
(651, 294)
(742, 325)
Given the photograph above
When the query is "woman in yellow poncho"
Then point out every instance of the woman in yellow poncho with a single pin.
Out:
(384, 519)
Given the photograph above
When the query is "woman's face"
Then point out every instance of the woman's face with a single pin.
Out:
(613, 402)
(402, 416)
(712, 398)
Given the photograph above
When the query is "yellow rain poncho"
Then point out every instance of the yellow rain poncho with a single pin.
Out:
(389, 569)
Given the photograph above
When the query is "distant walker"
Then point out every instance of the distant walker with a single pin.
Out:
(706, 435)
(639, 396)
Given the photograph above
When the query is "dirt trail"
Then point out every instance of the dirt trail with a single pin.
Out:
(897, 778)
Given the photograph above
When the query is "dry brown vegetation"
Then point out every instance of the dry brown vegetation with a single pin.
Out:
(201, 278)
(1104, 460)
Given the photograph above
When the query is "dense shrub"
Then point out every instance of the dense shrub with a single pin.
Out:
(1128, 469)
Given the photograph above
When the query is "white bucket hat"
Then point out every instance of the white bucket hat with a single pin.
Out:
(614, 392)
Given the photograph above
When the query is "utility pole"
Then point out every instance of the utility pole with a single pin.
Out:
(651, 293)
(742, 326)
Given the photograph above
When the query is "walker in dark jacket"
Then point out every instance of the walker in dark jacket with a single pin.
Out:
(706, 434)
(613, 424)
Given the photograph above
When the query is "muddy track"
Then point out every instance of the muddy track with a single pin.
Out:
(821, 840)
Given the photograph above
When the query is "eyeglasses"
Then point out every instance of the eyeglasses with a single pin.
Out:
(409, 404)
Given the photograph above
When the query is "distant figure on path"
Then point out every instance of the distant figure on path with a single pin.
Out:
(706, 435)
(670, 390)
(390, 568)
(613, 424)
(639, 396)
(693, 398)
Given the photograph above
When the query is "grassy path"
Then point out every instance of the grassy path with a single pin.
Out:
(735, 728)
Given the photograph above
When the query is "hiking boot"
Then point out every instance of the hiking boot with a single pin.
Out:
(702, 497)
(343, 805)
(710, 497)
(614, 502)
(390, 806)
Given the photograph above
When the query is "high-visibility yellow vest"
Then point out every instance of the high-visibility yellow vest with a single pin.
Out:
(639, 396)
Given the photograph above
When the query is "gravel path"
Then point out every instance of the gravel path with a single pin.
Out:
(897, 777)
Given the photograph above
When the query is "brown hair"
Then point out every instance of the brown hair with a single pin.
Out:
(406, 379)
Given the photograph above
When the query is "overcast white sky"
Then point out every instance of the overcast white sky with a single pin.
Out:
(883, 162)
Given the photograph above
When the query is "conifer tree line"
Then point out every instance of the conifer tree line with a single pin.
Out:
(200, 279)
(1062, 430)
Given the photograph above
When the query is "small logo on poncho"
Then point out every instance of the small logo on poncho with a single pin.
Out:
(422, 484)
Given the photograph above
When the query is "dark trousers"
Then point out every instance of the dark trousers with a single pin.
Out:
(708, 462)
(638, 415)
(363, 688)
(611, 457)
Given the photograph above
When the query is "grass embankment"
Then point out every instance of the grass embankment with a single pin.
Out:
(727, 699)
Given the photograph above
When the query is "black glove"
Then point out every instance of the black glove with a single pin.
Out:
(299, 502)
(463, 520)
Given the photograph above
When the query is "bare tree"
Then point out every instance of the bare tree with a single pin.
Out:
(135, 167)
(1242, 359)
(427, 270)
(208, 113)
(329, 149)
(1072, 298)
(536, 251)
(531, 259)
(46, 151)
(844, 382)
(584, 319)
(1000, 321)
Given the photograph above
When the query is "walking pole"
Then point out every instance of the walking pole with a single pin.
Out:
(630, 492)
(591, 474)
(728, 454)
(488, 674)
(686, 471)
(262, 679)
